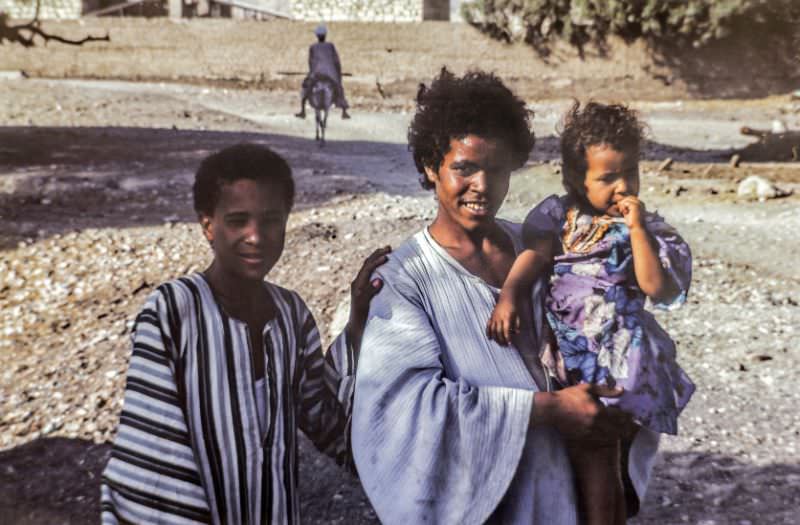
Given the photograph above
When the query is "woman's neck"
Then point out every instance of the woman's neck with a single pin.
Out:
(486, 252)
(452, 235)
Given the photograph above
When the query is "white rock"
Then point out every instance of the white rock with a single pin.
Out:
(755, 187)
(778, 126)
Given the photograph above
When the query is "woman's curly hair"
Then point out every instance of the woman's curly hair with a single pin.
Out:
(616, 125)
(476, 104)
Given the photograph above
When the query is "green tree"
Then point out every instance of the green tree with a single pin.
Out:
(684, 22)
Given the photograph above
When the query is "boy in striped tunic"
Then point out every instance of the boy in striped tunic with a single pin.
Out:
(226, 367)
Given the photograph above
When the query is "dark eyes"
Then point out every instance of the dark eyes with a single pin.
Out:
(463, 169)
(628, 175)
(241, 221)
(237, 221)
(470, 169)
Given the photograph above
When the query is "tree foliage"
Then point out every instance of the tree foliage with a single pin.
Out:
(580, 22)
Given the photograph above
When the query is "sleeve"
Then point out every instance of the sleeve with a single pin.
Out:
(152, 475)
(336, 63)
(675, 257)
(639, 462)
(429, 449)
(325, 390)
(543, 221)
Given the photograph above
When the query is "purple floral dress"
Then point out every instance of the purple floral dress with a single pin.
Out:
(596, 309)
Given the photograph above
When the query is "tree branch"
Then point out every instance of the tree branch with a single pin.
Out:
(25, 34)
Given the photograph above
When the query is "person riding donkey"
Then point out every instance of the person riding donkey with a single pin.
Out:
(323, 62)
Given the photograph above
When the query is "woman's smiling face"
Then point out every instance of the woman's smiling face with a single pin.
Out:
(471, 181)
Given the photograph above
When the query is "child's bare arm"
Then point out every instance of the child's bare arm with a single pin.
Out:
(650, 275)
(528, 266)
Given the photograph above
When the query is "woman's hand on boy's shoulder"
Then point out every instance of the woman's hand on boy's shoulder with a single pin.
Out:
(362, 290)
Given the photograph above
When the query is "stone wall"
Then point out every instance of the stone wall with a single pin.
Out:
(50, 9)
(309, 10)
(358, 10)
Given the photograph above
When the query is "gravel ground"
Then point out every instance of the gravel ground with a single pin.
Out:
(94, 201)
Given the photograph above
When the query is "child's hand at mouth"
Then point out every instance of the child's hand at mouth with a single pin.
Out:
(632, 210)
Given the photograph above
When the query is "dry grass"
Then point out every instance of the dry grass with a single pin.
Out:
(251, 53)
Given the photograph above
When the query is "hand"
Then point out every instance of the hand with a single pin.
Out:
(578, 415)
(362, 290)
(504, 321)
(632, 210)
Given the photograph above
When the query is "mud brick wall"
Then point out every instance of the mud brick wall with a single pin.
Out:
(358, 10)
(50, 9)
(309, 10)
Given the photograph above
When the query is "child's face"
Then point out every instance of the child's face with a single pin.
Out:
(248, 228)
(610, 176)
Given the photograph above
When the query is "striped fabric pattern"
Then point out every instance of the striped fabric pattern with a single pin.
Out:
(442, 427)
(189, 448)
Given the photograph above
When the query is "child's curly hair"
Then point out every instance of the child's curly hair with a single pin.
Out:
(476, 104)
(240, 161)
(613, 124)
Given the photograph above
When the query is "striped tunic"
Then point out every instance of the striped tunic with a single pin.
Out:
(442, 428)
(189, 448)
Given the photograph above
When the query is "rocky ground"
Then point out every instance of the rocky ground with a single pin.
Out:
(94, 200)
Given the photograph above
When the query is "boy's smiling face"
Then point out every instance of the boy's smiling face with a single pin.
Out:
(248, 228)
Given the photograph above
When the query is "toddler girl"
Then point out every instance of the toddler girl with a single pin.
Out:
(608, 255)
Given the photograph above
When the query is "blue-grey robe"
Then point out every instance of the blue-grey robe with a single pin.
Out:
(323, 61)
(442, 430)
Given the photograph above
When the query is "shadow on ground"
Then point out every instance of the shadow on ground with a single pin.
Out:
(754, 61)
(57, 480)
(55, 180)
(59, 179)
(697, 487)
(51, 480)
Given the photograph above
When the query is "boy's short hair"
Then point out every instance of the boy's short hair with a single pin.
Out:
(477, 103)
(613, 124)
(242, 161)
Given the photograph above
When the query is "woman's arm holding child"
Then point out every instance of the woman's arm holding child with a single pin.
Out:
(650, 274)
(526, 269)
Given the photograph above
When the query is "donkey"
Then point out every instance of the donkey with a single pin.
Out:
(322, 92)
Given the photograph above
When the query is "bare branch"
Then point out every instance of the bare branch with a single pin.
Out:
(25, 34)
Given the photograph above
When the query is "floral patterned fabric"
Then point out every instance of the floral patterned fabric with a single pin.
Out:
(596, 309)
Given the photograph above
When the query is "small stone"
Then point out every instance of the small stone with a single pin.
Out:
(755, 187)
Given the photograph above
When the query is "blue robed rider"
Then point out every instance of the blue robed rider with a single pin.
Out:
(323, 62)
